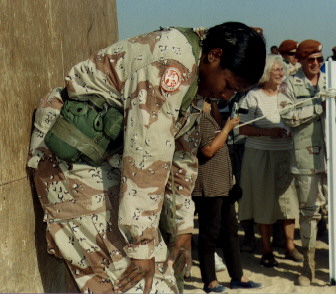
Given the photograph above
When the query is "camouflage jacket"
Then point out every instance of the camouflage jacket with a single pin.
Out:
(290, 69)
(305, 121)
(147, 76)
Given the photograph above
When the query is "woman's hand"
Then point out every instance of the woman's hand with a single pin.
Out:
(137, 270)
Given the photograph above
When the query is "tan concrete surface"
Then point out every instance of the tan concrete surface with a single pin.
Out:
(39, 42)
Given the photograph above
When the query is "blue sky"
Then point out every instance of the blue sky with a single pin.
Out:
(282, 19)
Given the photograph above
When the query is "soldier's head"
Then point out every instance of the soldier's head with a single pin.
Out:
(233, 59)
(309, 54)
(274, 50)
(287, 50)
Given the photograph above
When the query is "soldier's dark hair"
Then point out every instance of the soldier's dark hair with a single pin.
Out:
(244, 49)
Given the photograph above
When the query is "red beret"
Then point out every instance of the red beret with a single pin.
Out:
(287, 46)
(308, 47)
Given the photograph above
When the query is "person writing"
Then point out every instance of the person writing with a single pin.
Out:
(216, 209)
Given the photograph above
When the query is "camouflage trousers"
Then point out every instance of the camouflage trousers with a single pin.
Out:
(80, 203)
(312, 193)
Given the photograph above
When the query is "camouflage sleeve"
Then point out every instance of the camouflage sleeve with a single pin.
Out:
(149, 147)
(184, 171)
(45, 116)
(295, 112)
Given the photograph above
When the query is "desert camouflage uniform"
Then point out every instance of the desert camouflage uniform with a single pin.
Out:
(85, 205)
(308, 165)
(290, 69)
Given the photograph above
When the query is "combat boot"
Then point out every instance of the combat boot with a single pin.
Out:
(308, 273)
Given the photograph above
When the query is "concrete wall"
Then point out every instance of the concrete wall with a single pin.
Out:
(39, 42)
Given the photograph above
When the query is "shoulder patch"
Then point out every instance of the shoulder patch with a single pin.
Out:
(171, 79)
(298, 81)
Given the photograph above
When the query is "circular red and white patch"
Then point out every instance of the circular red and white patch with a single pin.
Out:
(171, 79)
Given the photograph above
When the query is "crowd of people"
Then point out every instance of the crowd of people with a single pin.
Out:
(282, 171)
(138, 141)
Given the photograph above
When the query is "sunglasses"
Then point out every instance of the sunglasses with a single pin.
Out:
(291, 53)
(318, 59)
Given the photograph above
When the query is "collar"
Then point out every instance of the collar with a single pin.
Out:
(198, 103)
(201, 32)
(300, 79)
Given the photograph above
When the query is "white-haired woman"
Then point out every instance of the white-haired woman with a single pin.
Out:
(269, 193)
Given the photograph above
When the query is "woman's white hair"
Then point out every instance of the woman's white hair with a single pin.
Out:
(270, 61)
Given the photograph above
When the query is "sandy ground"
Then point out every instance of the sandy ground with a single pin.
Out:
(281, 279)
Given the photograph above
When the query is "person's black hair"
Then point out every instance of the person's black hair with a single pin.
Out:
(244, 49)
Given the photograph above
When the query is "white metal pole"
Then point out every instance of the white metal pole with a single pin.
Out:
(331, 163)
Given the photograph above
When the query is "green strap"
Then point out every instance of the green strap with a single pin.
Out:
(67, 132)
(195, 42)
(96, 100)
(187, 125)
(173, 223)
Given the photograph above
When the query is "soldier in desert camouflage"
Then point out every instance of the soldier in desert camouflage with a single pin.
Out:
(306, 125)
(287, 50)
(103, 220)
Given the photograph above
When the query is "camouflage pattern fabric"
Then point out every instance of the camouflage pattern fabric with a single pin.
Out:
(290, 69)
(100, 217)
(312, 196)
(309, 160)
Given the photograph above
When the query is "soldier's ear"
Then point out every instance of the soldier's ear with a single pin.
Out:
(214, 54)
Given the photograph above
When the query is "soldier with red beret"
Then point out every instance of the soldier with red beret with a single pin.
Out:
(308, 166)
(287, 50)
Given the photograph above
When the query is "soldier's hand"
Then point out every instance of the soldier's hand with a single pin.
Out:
(137, 270)
(180, 254)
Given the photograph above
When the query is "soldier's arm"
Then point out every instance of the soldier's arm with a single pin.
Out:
(179, 207)
(184, 172)
(295, 112)
(149, 147)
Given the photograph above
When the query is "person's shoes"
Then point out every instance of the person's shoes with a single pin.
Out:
(235, 284)
(219, 264)
(294, 255)
(216, 289)
(268, 260)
